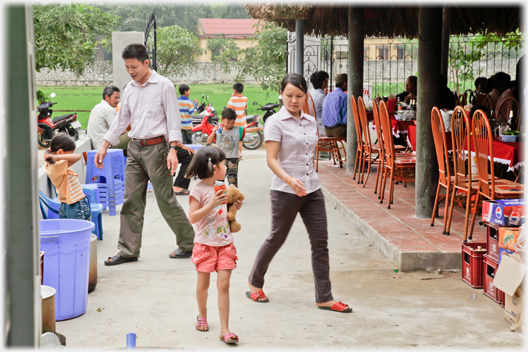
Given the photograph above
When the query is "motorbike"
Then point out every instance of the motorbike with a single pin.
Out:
(209, 119)
(254, 140)
(47, 127)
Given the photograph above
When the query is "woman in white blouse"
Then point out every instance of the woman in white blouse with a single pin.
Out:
(291, 138)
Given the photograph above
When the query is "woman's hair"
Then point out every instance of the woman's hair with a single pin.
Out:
(62, 141)
(295, 80)
(201, 165)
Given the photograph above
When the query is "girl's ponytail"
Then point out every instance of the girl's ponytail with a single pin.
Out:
(201, 165)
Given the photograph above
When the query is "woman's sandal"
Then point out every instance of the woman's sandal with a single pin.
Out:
(229, 338)
(201, 323)
(256, 295)
(338, 307)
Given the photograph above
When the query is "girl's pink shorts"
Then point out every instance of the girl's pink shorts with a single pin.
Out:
(209, 259)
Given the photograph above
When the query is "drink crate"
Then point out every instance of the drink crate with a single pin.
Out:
(472, 263)
(492, 249)
(488, 274)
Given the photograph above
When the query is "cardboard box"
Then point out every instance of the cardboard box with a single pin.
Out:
(502, 252)
(504, 212)
(509, 278)
(508, 237)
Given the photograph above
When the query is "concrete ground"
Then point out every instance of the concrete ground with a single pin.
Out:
(155, 297)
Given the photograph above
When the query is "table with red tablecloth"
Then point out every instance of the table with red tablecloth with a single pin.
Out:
(397, 126)
(411, 137)
(506, 153)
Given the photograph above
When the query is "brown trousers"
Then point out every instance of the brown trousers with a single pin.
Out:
(284, 209)
(144, 164)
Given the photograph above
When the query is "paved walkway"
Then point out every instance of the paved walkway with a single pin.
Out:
(409, 242)
(155, 297)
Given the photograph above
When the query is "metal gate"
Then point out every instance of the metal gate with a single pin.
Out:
(151, 41)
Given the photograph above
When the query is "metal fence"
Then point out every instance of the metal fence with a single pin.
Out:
(388, 62)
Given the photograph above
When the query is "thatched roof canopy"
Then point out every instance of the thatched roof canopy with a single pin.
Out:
(387, 21)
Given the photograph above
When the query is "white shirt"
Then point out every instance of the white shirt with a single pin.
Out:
(298, 139)
(318, 96)
(152, 109)
(101, 117)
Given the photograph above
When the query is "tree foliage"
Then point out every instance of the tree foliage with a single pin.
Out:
(65, 35)
(265, 62)
(220, 44)
(134, 17)
(178, 49)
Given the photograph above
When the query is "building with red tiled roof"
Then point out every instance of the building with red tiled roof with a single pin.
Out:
(240, 30)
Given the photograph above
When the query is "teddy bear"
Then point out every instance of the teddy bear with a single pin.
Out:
(233, 194)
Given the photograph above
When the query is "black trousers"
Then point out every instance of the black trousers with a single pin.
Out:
(184, 158)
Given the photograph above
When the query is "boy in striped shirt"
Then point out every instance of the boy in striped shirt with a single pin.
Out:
(187, 108)
(238, 102)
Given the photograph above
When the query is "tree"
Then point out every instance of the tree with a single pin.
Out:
(177, 49)
(220, 44)
(265, 62)
(65, 35)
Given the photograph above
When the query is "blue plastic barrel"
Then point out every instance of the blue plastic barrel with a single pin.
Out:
(66, 243)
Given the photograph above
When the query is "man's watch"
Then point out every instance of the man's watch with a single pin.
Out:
(175, 147)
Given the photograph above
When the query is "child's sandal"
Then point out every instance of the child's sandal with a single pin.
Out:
(201, 323)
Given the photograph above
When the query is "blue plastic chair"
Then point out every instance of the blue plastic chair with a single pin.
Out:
(54, 206)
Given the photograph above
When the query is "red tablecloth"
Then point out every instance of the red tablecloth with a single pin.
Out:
(397, 126)
(506, 153)
(411, 136)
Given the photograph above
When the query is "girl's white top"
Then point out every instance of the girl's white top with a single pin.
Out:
(213, 230)
(298, 139)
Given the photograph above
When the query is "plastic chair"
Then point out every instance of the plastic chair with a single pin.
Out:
(444, 179)
(110, 179)
(488, 186)
(52, 205)
(96, 210)
(399, 167)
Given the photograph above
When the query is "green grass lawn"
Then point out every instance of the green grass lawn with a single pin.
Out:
(85, 98)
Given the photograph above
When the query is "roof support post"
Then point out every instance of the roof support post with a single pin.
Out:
(446, 31)
(429, 64)
(299, 47)
(356, 35)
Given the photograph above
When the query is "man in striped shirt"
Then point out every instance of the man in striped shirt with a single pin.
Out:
(238, 102)
(187, 108)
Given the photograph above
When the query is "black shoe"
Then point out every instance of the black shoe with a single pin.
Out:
(179, 254)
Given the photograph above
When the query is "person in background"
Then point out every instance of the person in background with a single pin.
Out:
(481, 84)
(489, 85)
(411, 89)
(187, 108)
(239, 103)
(102, 116)
(320, 82)
(335, 109)
(501, 82)
(447, 99)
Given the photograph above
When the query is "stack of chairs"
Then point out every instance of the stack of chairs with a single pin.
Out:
(110, 180)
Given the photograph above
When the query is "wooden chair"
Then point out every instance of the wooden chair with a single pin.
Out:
(488, 186)
(399, 168)
(381, 157)
(309, 106)
(333, 146)
(359, 138)
(483, 99)
(444, 179)
(368, 147)
(503, 112)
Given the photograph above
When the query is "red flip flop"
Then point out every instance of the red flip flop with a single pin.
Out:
(256, 295)
(338, 307)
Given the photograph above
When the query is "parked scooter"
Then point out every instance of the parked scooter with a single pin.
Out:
(47, 127)
(203, 130)
(254, 140)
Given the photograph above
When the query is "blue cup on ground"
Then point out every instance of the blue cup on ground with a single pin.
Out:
(131, 341)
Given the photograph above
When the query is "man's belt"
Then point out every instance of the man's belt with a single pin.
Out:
(150, 141)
